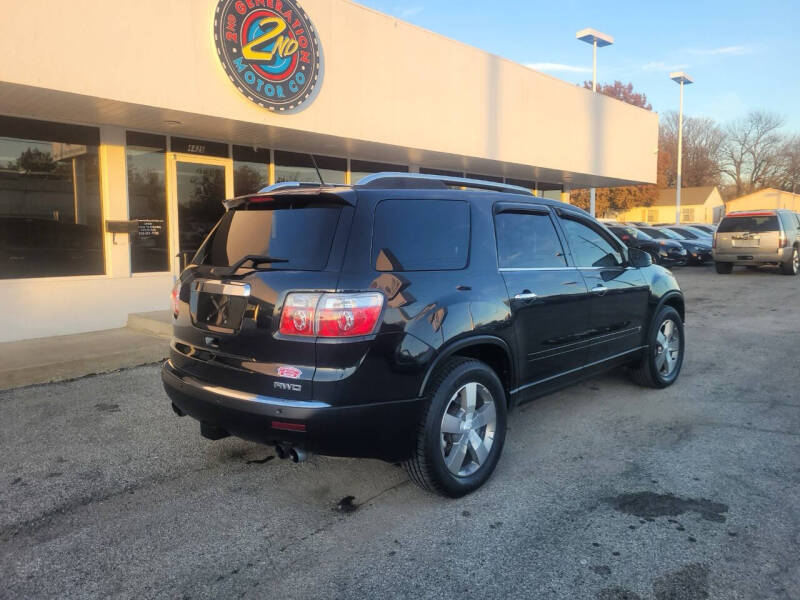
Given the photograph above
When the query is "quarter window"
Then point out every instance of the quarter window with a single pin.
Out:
(788, 220)
(527, 240)
(589, 247)
(420, 235)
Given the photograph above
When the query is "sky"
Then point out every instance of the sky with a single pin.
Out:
(741, 55)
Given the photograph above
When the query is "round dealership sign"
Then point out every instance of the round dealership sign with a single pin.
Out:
(269, 49)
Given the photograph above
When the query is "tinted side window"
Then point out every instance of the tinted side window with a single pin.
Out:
(527, 240)
(589, 248)
(420, 235)
(685, 233)
(789, 221)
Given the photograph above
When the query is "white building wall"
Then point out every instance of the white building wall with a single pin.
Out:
(42, 307)
(385, 81)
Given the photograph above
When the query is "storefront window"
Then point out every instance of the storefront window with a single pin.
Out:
(292, 166)
(485, 177)
(147, 201)
(250, 170)
(551, 191)
(362, 168)
(523, 183)
(50, 216)
(441, 172)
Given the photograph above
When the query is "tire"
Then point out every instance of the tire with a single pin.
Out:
(792, 266)
(724, 268)
(450, 391)
(659, 369)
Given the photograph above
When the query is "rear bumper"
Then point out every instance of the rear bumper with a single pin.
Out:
(671, 260)
(384, 430)
(700, 257)
(752, 256)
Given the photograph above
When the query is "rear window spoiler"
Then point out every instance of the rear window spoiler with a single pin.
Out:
(757, 213)
(280, 193)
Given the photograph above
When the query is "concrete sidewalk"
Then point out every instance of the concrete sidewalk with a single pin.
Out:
(45, 360)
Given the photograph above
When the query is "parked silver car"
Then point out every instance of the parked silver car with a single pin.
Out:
(760, 237)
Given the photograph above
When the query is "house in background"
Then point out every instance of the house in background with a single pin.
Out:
(766, 198)
(698, 205)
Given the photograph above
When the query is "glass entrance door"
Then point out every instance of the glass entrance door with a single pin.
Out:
(198, 185)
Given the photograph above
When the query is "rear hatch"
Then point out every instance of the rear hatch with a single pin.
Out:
(227, 332)
(750, 232)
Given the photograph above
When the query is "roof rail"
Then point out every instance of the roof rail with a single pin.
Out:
(445, 181)
(288, 184)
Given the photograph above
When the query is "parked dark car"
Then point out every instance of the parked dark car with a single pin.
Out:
(709, 229)
(690, 233)
(663, 252)
(403, 317)
(698, 251)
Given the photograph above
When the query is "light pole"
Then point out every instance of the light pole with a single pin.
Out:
(683, 79)
(597, 40)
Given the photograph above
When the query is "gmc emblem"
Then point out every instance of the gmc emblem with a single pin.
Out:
(289, 387)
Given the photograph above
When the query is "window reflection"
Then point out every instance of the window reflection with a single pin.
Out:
(361, 168)
(293, 166)
(200, 190)
(147, 201)
(250, 170)
(50, 219)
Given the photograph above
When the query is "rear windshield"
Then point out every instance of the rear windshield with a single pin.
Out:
(298, 237)
(420, 235)
(757, 224)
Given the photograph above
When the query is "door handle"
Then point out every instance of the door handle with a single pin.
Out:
(526, 295)
(599, 289)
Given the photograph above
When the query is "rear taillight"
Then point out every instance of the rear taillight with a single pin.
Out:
(176, 299)
(782, 240)
(348, 315)
(714, 241)
(331, 315)
(298, 314)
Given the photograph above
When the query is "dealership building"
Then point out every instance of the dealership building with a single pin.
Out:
(123, 125)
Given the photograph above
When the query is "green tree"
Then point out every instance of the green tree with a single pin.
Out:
(33, 159)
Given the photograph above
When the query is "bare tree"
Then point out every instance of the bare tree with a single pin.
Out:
(752, 152)
(703, 140)
(789, 179)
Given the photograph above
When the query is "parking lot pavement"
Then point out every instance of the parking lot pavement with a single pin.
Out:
(605, 490)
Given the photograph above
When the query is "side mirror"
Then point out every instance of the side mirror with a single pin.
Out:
(639, 258)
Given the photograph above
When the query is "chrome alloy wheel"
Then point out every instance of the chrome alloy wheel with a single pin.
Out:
(668, 348)
(468, 428)
(795, 261)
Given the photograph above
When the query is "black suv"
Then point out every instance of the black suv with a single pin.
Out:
(403, 318)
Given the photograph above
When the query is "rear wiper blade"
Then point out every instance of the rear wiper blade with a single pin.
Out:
(257, 259)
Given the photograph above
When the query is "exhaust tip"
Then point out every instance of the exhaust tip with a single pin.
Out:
(298, 455)
(281, 452)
